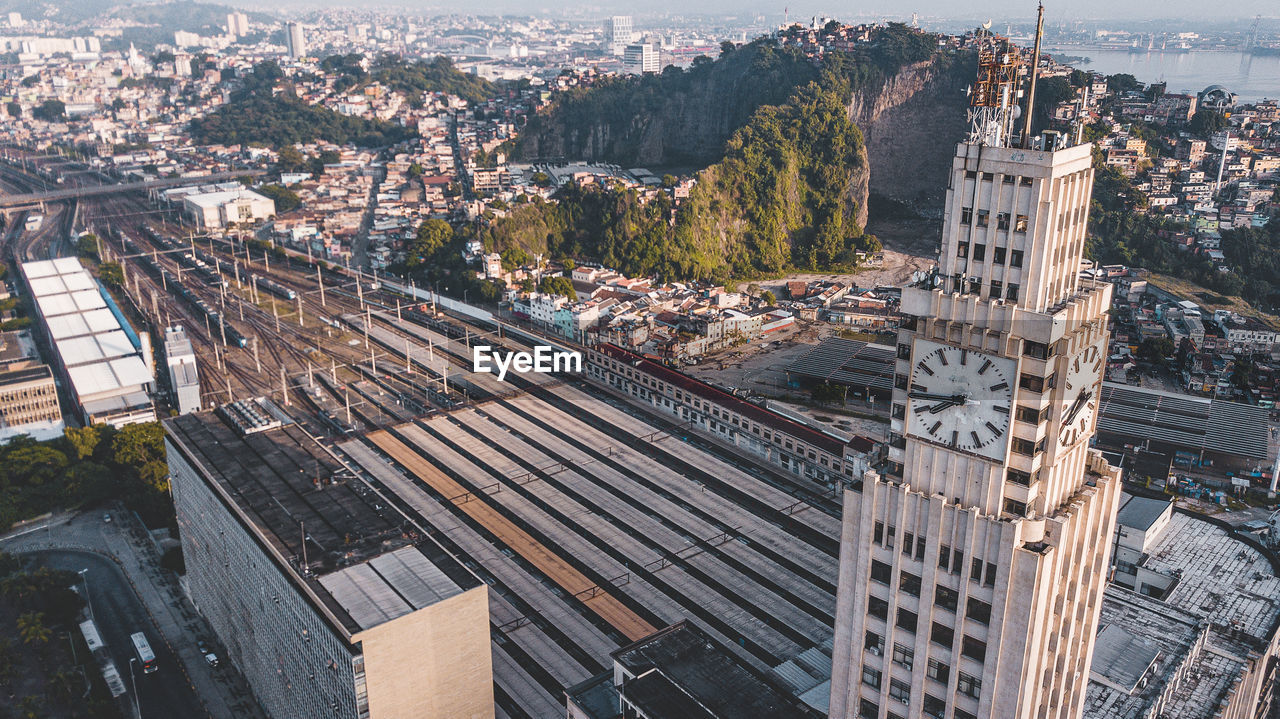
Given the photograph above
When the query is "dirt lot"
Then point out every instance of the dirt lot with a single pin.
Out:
(909, 245)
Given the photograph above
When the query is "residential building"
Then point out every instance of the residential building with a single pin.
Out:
(237, 24)
(972, 571)
(330, 603)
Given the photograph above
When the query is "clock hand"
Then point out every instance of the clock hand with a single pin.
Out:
(955, 398)
(941, 406)
(1075, 408)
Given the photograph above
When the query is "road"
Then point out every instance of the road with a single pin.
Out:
(129, 594)
(119, 613)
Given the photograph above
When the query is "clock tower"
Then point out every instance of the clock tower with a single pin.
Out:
(972, 570)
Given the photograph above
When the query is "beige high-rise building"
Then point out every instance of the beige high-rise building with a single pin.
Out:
(972, 572)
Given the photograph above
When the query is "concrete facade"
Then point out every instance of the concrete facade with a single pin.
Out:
(972, 572)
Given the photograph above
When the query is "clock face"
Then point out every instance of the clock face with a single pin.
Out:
(1083, 373)
(961, 398)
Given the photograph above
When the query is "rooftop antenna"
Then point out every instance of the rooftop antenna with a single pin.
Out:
(1035, 70)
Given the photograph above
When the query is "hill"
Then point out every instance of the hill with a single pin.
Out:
(786, 182)
(257, 115)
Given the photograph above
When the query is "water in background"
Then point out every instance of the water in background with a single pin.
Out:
(1251, 77)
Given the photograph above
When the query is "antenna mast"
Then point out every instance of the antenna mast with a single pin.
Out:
(1035, 70)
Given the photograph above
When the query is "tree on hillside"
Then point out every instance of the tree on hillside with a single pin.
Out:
(431, 238)
(562, 286)
(285, 198)
(768, 298)
(1207, 122)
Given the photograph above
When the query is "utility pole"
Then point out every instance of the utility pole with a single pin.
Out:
(284, 388)
(408, 365)
(320, 281)
(255, 354)
(301, 322)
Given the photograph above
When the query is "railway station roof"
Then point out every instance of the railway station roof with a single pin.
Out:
(1185, 421)
(848, 362)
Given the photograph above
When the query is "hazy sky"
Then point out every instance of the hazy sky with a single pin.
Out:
(1000, 9)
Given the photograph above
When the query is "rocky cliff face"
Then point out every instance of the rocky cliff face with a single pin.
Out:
(910, 124)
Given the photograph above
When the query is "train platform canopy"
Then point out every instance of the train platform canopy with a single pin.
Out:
(97, 354)
(847, 362)
(1190, 423)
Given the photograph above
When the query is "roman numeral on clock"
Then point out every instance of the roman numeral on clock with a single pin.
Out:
(986, 365)
(926, 370)
(998, 387)
(934, 428)
(994, 429)
(942, 357)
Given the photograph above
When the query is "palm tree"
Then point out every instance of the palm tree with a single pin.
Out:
(32, 629)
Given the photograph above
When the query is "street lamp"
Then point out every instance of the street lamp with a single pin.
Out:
(88, 599)
(133, 679)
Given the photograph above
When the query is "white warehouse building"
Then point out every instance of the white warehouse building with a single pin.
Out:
(219, 209)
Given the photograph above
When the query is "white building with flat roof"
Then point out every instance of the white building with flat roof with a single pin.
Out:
(97, 354)
(227, 207)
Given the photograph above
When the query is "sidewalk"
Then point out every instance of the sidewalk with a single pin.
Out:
(221, 690)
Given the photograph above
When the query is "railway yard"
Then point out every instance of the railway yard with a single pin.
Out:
(593, 522)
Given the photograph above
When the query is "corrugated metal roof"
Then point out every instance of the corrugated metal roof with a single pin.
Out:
(389, 586)
(1192, 423)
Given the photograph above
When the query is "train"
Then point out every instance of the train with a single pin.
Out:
(274, 287)
(218, 326)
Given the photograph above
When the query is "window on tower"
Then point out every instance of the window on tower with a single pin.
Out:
(1002, 221)
(957, 560)
(966, 215)
(903, 655)
(881, 572)
(997, 289)
(962, 250)
(868, 709)
(942, 635)
(1031, 382)
(874, 643)
(1020, 223)
(984, 218)
(1013, 506)
(877, 608)
(968, 685)
(1017, 476)
(979, 253)
(977, 610)
(900, 690)
(945, 598)
(871, 676)
(1023, 446)
(908, 542)
(998, 255)
(973, 648)
(907, 620)
(1012, 293)
(909, 583)
(1026, 182)
(1037, 350)
(934, 707)
(1015, 258)
(1008, 179)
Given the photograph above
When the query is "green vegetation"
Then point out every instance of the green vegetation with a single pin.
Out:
(285, 198)
(1207, 122)
(559, 286)
(87, 246)
(787, 168)
(50, 110)
(782, 197)
(44, 662)
(413, 78)
(86, 465)
(111, 274)
(258, 116)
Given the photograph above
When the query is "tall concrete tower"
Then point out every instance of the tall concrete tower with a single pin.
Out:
(295, 40)
(972, 571)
